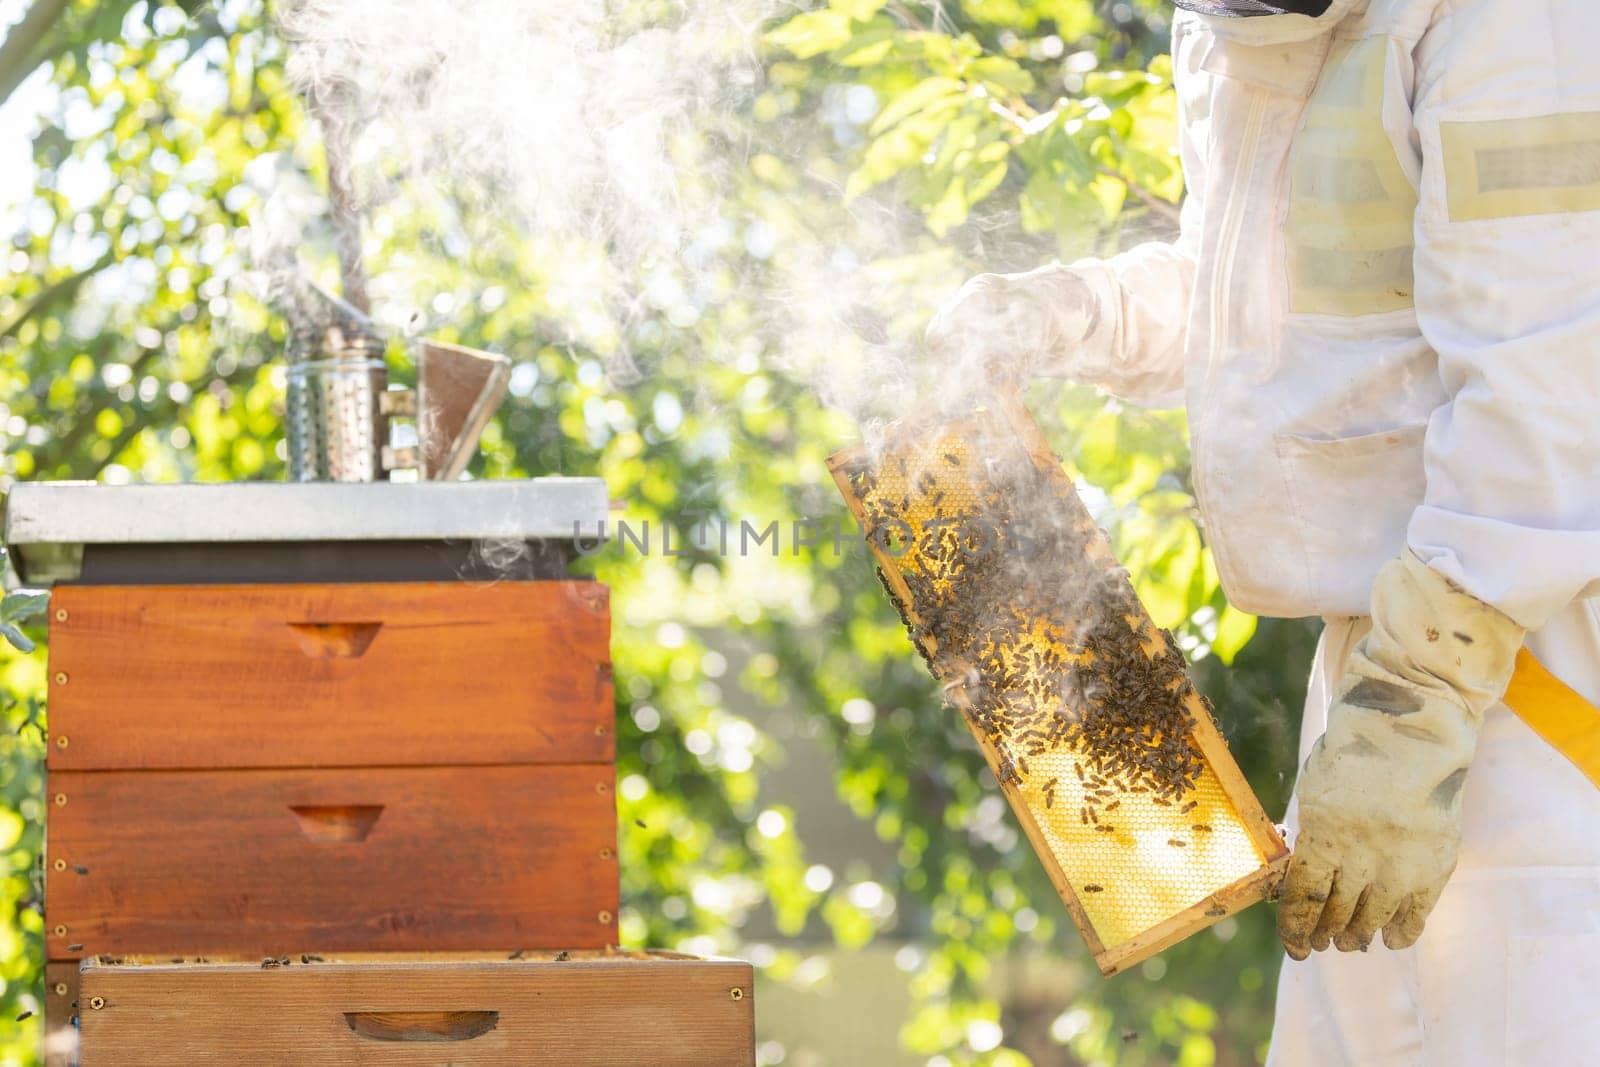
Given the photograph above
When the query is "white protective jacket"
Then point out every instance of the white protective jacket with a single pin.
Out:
(1384, 308)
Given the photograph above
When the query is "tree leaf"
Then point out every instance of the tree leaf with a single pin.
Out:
(860, 10)
(16, 637)
(812, 33)
(991, 172)
(22, 606)
(1234, 630)
(913, 100)
(901, 147)
(1003, 73)
(868, 44)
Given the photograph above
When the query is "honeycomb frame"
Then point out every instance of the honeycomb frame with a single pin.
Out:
(1140, 860)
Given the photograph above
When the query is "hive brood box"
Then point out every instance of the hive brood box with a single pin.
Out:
(355, 766)
(1108, 755)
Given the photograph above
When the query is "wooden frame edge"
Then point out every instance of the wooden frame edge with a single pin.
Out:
(1252, 889)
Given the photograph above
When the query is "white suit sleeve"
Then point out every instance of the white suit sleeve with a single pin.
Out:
(1508, 240)
(1136, 351)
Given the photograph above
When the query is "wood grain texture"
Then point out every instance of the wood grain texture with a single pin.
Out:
(380, 674)
(597, 1010)
(208, 862)
(60, 1013)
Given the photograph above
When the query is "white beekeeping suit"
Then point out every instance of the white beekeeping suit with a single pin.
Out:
(1383, 314)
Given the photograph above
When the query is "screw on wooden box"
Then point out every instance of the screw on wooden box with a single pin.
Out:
(1110, 758)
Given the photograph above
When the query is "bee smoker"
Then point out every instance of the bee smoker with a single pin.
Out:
(340, 403)
(336, 425)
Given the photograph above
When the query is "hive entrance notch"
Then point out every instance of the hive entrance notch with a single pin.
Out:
(1083, 708)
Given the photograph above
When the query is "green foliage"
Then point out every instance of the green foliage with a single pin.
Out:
(964, 121)
(21, 826)
(1016, 130)
(16, 609)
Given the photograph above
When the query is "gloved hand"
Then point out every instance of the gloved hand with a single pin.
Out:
(1017, 325)
(1380, 797)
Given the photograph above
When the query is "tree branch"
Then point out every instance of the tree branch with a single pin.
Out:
(165, 411)
(1165, 208)
(19, 56)
(55, 291)
(910, 19)
(60, 450)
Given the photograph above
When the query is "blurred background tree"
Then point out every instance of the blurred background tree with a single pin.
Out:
(761, 699)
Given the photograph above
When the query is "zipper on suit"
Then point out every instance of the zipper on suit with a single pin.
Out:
(1219, 313)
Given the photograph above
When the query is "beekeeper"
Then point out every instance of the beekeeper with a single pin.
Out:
(1383, 313)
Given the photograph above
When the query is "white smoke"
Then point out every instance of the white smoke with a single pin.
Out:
(552, 105)
(618, 138)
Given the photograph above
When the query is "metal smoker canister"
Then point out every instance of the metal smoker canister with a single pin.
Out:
(337, 426)
(336, 431)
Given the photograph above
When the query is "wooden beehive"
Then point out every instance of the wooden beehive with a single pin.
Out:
(251, 770)
(595, 1008)
(1110, 759)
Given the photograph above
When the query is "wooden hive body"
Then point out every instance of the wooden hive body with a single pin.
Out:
(1110, 759)
(273, 770)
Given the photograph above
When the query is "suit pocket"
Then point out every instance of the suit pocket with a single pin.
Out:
(1352, 498)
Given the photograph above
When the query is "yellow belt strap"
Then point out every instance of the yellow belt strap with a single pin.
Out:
(1556, 713)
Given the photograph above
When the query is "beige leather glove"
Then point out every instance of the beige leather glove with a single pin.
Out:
(1016, 326)
(1380, 797)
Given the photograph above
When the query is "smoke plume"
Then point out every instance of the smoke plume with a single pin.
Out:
(616, 138)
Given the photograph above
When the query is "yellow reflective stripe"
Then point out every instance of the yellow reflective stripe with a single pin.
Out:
(1556, 713)
(1505, 168)
(1351, 205)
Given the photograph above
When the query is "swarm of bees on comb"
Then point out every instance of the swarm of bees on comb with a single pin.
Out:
(1083, 707)
(1038, 666)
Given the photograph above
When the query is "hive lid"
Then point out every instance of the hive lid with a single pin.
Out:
(48, 524)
